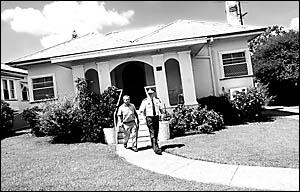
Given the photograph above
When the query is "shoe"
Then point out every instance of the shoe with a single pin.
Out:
(158, 152)
(125, 145)
(135, 149)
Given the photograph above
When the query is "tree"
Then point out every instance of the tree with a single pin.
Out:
(275, 58)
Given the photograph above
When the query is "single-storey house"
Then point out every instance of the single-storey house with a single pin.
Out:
(14, 87)
(186, 58)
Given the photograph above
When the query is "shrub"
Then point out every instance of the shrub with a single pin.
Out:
(62, 119)
(31, 116)
(206, 121)
(186, 119)
(108, 104)
(92, 115)
(222, 105)
(7, 118)
(249, 105)
(180, 120)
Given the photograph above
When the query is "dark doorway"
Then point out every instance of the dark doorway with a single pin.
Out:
(133, 77)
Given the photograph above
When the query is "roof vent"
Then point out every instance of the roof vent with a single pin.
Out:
(74, 35)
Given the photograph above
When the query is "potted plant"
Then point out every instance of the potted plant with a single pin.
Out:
(164, 128)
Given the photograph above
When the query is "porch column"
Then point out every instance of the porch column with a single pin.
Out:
(160, 79)
(187, 77)
(78, 72)
(103, 75)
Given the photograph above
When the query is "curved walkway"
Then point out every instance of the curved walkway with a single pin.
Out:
(268, 178)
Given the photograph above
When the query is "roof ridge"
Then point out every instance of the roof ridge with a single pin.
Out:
(155, 31)
(51, 47)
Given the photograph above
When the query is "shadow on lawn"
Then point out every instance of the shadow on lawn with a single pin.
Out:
(163, 148)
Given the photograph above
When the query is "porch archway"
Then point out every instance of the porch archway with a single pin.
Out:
(173, 80)
(132, 77)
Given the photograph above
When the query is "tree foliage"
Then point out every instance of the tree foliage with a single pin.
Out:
(275, 58)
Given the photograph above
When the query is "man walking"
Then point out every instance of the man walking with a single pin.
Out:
(151, 107)
(129, 119)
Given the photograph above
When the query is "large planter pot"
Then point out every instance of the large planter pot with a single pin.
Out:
(164, 131)
(110, 135)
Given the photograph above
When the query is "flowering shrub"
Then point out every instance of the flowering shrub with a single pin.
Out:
(180, 120)
(186, 119)
(7, 118)
(249, 105)
(205, 120)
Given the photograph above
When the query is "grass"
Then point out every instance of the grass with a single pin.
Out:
(31, 163)
(269, 144)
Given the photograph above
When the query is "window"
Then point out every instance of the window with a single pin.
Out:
(43, 88)
(8, 89)
(24, 90)
(234, 64)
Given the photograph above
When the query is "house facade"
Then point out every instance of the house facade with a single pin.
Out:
(184, 59)
(14, 87)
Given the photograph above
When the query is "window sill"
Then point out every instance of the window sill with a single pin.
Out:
(235, 77)
(44, 100)
(10, 100)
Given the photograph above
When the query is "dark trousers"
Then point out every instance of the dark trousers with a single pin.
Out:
(153, 126)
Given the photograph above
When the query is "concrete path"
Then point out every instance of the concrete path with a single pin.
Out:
(267, 178)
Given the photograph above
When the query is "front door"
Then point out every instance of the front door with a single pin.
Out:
(134, 82)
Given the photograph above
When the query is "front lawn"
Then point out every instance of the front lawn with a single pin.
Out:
(29, 163)
(273, 143)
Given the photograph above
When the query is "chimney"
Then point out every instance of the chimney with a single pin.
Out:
(232, 10)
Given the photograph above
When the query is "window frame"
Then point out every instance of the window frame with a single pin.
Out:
(247, 60)
(25, 85)
(10, 98)
(30, 84)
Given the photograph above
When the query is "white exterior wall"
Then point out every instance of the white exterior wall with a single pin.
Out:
(63, 78)
(230, 45)
(202, 77)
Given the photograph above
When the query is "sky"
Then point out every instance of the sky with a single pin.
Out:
(29, 26)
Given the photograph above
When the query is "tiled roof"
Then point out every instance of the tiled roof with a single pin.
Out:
(13, 69)
(179, 29)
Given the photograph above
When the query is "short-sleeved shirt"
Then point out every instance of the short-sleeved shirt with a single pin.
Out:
(146, 106)
(127, 112)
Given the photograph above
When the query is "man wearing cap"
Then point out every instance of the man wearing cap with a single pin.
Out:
(151, 107)
(129, 119)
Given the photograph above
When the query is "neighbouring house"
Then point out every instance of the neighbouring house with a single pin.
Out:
(14, 87)
(14, 90)
(185, 58)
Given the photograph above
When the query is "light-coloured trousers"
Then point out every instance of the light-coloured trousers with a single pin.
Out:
(133, 129)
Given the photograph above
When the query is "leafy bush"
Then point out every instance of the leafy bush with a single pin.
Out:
(7, 118)
(180, 120)
(222, 105)
(205, 120)
(275, 61)
(187, 119)
(108, 104)
(91, 112)
(31, 116)
(250, 105)
(62, 119)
